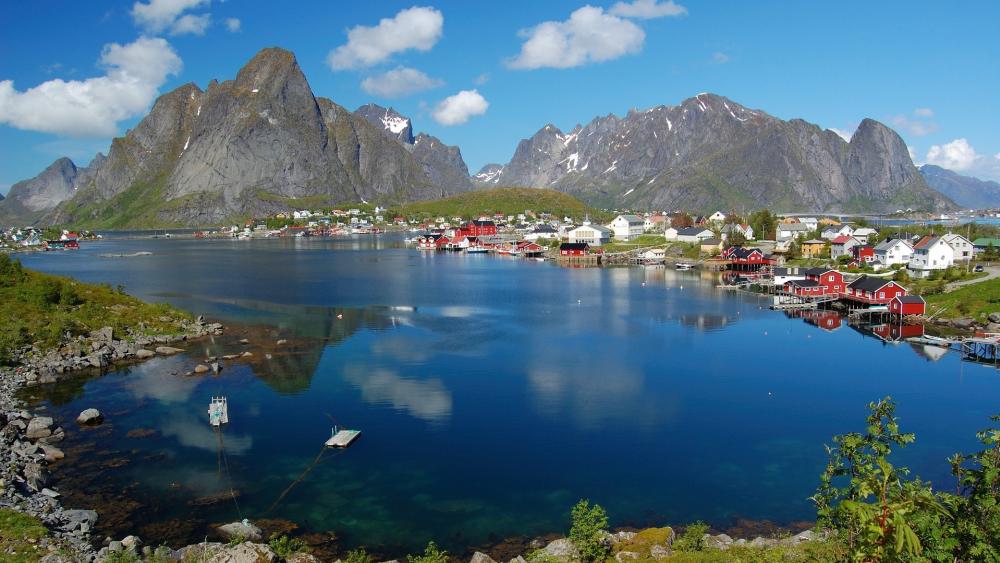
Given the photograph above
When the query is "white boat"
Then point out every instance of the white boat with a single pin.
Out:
(683, 266)
(476, 250)
(218, 411)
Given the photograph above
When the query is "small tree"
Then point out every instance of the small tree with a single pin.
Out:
(590, 525)
(977, 509)
(432, 554)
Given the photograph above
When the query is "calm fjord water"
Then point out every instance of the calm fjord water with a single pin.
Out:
(492, 393)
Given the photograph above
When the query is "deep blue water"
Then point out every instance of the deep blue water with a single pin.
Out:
(492, 393)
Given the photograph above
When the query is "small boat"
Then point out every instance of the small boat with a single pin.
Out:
(683, 266)
(218, 411)
(342, 438)
(476, 250)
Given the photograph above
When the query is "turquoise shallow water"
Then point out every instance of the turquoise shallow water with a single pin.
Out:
(492, 393)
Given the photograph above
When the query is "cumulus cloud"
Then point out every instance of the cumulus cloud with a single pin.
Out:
(915, 127)
(233, 25)
(589, 35)
(923, 112)
(647, 9)
(457, 109)
(417, 28)
(399, 82)
(956, 155)
(93, 107)
(158, 16)
(720, 58)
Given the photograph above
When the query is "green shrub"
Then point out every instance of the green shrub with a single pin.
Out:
(285, 546)
(590, 525)
(693, 537)
(432, 554)
(358, 556)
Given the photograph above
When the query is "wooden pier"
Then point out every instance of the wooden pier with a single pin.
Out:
(342, 438)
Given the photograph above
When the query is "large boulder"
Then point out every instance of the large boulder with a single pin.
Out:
(561, 550)
(144, 354)
(245, 530)
(39, 427)
(480, 557)
(90, 416)
(994, 317)
(167, 350)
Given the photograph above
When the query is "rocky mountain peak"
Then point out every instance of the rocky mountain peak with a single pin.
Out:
(389, 120)
(489, 173)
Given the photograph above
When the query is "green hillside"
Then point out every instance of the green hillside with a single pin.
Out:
(508, 201)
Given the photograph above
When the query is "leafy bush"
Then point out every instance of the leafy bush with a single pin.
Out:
(588, 531)
(977, 507)
(693, 537)
(285, 546)
(432, 554)
(358, 556)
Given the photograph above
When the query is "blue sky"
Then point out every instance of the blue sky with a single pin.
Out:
(494, 73)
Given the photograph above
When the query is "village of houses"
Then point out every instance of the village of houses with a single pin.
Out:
(856, 267)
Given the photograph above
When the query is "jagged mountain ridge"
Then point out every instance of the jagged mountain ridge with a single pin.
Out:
(28, 200)
(710, 152)
(252, 146)
(966, 191)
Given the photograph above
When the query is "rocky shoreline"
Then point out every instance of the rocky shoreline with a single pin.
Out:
(29, 443)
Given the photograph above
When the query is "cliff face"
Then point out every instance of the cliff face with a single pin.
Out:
(27, 201)
(251, 146)
(709, 153)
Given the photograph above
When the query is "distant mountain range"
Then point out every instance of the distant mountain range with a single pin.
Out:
(251, 146)
(966, 191)
(712, 153)
(264, 143)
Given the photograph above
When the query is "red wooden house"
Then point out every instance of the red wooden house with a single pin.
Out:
(574, 249)
(804, 288)
(830, 280)
(907, 305)
(478, 228)
(873, 291)
(863, 253)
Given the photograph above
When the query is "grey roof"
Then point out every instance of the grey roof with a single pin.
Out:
(889, 243)
(598, 228)
(692, 230)
(632, 218)
(794, 227)
(910, 298)
(868, 283)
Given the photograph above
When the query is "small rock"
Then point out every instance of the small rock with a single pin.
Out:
(626, 556)
(115, 546)
(518, 559)
(201, 368)
(52, 453)
(480, 557)
(720, 542)
(144, 354)
(619, 537)
(50, 493)
(216, 367)
(90, 416)
(246, 355)
(281, 342)
(659, 552)
(106, 334)
(244, 341)
(994, 317)
(167, 350)
(132, 543)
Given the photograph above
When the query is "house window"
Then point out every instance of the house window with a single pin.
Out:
(881, 295)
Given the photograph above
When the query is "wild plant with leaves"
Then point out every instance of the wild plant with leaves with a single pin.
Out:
(977, 505)
(867, 498)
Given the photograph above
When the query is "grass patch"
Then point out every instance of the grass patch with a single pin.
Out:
(507, 201)
(19, 536)
(42, 309)
(977, 300)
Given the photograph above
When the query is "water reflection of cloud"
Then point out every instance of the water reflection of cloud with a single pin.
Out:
(401, 348)
(194, 433)
(425, 399)
(153, 380)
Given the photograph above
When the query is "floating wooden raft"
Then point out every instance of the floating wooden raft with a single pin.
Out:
(343, 438)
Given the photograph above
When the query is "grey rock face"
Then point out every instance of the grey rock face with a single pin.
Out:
(966, 191)
(253, 146)
(710, 153)
(29, 199)
(489, 174)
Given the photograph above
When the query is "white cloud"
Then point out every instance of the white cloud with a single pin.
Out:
(233, 25)
(647, 9)
(720, 58)
(956, 155)
(158, 16)
(589, 35)
(482, 79)
(417, 28)
(457, 109)
(913, 154)
(914, 127)
(399, 82)
(93, 107)
(923, 112)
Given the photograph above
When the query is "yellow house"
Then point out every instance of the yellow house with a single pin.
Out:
(813, 248)
(711, 246)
